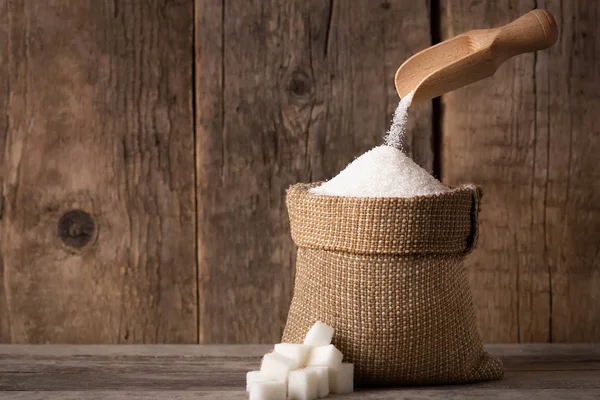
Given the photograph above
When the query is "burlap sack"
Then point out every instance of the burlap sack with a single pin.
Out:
(388, 275)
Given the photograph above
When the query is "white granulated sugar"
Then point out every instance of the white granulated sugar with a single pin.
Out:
(395, 135)
(384, 171)
(381, 172)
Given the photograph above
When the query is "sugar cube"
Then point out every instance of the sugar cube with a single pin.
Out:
(322, 380)
(327, 356)
(256, 376)
(302, 384)
(297, 352)
(268, 390)
(341, 378)
(319, 335)
(276, 366)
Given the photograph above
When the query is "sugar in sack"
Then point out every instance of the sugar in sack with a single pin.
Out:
(385, 231)
(384, 171)
(381, 172)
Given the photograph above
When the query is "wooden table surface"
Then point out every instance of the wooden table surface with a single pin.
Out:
(182, 372)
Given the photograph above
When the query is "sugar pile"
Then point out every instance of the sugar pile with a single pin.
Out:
(384, 171)
(381, 172)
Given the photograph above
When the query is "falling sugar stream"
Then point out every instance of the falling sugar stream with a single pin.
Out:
(395, 135)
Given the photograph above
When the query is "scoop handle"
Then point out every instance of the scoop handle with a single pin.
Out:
(534, 31)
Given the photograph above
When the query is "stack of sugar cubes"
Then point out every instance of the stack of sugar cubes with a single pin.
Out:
(302, 371)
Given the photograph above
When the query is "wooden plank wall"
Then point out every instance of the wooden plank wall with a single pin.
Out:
(145, 148)
(98, 225)
(530, 136)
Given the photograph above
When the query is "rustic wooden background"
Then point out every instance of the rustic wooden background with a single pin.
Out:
(145, 147)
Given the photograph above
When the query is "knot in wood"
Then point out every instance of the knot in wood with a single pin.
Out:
(76, 228)
(299, 85)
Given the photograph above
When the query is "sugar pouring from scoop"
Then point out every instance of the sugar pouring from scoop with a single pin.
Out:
(395, 135)
(473, 56)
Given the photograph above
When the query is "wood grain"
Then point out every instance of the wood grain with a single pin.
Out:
(416, 394)
(384, 394)
(529, 136)
(98, 119)
(4, 90)
(558, 352)
(61, 372)
(98, 116)
(286, 92)
(567, 148)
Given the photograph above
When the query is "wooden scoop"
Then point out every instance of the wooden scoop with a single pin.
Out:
(473, 56)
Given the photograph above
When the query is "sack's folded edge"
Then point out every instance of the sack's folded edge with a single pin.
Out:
(441, 223)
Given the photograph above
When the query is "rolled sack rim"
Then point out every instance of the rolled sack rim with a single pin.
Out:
(442, 223)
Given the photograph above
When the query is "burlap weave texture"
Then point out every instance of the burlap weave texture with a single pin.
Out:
(388, 275)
